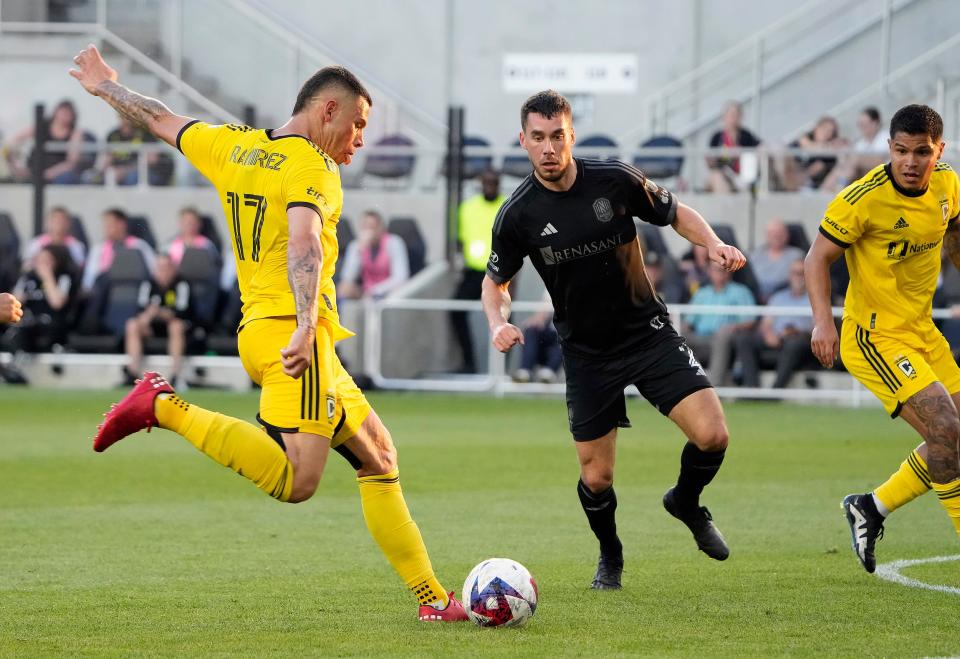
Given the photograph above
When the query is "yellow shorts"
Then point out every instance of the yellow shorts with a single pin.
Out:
(894, 365)
(324, 401)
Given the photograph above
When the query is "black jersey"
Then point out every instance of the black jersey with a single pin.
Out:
(583, 242)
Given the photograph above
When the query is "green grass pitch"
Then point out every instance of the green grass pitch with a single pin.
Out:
(153, 549)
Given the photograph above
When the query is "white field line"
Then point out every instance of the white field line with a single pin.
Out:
(891, 572)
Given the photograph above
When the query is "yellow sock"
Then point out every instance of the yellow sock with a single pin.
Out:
(906, 484)
(241, 446)
(390, 524)
(949, 495)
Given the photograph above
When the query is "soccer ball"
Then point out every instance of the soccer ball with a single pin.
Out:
(500, 593)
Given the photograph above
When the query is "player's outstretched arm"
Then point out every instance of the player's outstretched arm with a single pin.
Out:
(496, 306)
(304, 261)
(98, 78)
(691, 225)
(824, 341)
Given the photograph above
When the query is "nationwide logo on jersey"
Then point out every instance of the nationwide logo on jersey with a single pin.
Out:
(901, 224)
(603, 209)
(553, 256)
(904, 365)
(549, 230)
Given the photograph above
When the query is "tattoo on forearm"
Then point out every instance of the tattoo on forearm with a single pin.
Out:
(303, 272)
(939, 417)
(951, 243)
(140, 109)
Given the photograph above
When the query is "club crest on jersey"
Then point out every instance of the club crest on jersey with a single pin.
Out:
(907, 368)
(331, 406)
(603, 209)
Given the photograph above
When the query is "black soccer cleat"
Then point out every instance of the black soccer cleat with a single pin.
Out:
(866, 527)
(609, 571)
(700, 522)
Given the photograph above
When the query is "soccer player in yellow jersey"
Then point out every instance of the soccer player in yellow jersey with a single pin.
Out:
(281, 194)
(891, 225)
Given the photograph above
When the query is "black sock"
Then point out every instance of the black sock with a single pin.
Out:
(601, 509)
(697, 469)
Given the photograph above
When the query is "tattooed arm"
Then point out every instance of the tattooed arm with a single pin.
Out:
(101, 80)
(951, 243)
(304, 260)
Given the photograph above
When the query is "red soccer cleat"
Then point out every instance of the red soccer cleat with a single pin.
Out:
(452, 613)
(133, 413)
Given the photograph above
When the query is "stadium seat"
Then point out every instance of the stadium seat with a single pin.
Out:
(390, 166)
(9, 252)
(345, 236)
(518, 165)
(201, 270)
(208, 228)
(660, 167)
(78, 231)
(596, 146)
(798, 236)
(744, 275)
(139, 226)
(475, 165)
(407, 229)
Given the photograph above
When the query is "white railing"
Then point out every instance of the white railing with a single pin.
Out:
(496, 382)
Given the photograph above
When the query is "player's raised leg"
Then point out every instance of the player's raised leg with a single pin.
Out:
(599, 501)
(370, 450)
(700, 417)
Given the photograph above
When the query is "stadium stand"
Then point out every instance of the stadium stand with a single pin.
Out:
(387, 165)
(660, 168)
(139, 227)
(596, 146)
(517, 166)
(408, 230)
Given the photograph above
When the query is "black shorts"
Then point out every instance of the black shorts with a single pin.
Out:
(664, 371)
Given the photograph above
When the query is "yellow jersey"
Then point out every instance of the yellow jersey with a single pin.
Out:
(258, 177)
(893, 239)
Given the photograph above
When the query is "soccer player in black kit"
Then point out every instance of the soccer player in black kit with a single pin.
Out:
(574, 219)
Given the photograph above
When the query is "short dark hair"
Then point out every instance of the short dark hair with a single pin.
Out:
(547, 103)
(871, 112)
(117, 213)
(917, 120)
(372, 212)
(330, 76)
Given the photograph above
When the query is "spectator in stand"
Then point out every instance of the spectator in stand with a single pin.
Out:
(669, 291)
(116, 234)
(59, 165)
(48, 290)
(166, 311)
(771, 262)
(476, 216)
(868, 151)
(11, 311)
(541, 357)
(57, 232)
(121, 165)
(725, 173)
(711, 335)
(695, 268)
(375, 263)
(810, 172)
(189, 236)
(788, 335)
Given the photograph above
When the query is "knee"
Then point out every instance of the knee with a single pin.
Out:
(132, 325)
(303, 488)
(712, 439)
(597, 476)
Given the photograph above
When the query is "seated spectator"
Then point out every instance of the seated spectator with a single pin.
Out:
(711, 335)
(541, 348)
(810, 172)
(121, 166)
(58, 166)
(116, 234)
(189, 236)
(771, 262)
(669, 291)
(57, 232)
(725, 173)
(375, 263)
(48, 291)
(165, 312)
(695, 268)
(788, 335)
(868, 151)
